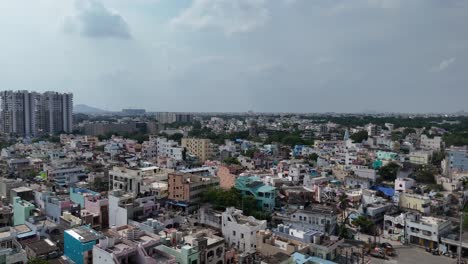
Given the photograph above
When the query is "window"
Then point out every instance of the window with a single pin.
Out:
(242, 235)
(233, 232)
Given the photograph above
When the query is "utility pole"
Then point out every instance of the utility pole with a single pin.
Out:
(461, 234)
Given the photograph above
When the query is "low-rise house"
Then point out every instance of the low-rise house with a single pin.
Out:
(11, 251)
(43, 249)
(183, 255)
(318, 218)
(414, 202)
(239, 230)
(210, 217)
(426, 231)
(210, 246)
(404, 184)
(265, 195)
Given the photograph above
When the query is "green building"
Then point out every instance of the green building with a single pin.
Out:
(265, 195)
(22, 210)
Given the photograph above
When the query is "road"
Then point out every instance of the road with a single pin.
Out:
(414, 255)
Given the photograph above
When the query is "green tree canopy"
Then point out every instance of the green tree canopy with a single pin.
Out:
(360, 136)
(389, 172)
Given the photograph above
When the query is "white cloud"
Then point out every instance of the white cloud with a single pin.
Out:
(384, 3)
(92, 19)
(443, 65)
(229, 16)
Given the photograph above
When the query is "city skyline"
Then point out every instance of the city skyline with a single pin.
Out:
(225, 56)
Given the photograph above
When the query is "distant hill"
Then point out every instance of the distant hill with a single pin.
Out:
(86, 109)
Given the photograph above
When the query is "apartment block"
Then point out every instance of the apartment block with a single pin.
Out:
(186, 188)
(78, 244)
(199, 147)
(29, 113)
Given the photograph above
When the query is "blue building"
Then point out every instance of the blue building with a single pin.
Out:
(78, 244)
(457, 158)
(265, 195)
(78, 195)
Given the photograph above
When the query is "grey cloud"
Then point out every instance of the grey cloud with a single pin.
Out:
(443, 65)
(92, 19)
(226, 15)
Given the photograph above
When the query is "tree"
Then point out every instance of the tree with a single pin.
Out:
(343, 205)
(37, 261)
(389, 172)
(365, 225)
(231, 160)
(425, 174)
(360, 136)
(313, 157)
(437, 158)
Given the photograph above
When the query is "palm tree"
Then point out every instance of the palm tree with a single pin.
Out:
(343, 204)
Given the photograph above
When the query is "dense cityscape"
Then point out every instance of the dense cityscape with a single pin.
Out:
(84, 185)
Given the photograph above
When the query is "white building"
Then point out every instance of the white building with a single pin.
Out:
(420, 157)
(240, 231)
(434, 143)
(169, 149)
(131, 179)
(403, 184)
(426, 231)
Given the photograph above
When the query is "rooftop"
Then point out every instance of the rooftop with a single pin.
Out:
(83, 233)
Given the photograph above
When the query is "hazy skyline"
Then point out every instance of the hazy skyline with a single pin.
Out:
(240, 55)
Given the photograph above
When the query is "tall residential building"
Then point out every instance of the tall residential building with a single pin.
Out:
(200, 147)
(168, 117)
(29, 113)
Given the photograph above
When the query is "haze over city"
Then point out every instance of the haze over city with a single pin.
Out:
(224, 55)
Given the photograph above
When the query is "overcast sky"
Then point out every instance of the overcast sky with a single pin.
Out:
(240, 55)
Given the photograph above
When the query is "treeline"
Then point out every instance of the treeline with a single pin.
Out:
(221, 199)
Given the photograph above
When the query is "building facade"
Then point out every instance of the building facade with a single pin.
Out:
(27, 113)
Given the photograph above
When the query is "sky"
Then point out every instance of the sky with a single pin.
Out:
(240, 55)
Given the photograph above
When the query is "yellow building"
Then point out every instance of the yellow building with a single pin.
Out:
(415, 202)
(200, 147)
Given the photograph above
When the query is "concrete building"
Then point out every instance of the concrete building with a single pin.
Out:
(78, 244)
(22, 210)
(169, 149)
(457, 160)
(428, 143)
(426, 231)
(186, 188)
(210, 246)
(43, 249)
(404, 184)
(22, 192)
(200, 147)
(6, 185)
(65, 173)
(168, 117)
(130, 180)
(265, 195)
(420, 157)
(183, 255)
(11, 251)
(29, 113)
(240, 231)
(227, 175)
(127, 244)
(414, 202)
(121, 207)
(322, 219)
(210, 217)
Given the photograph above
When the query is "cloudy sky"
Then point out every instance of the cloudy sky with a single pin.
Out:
(239, 55)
